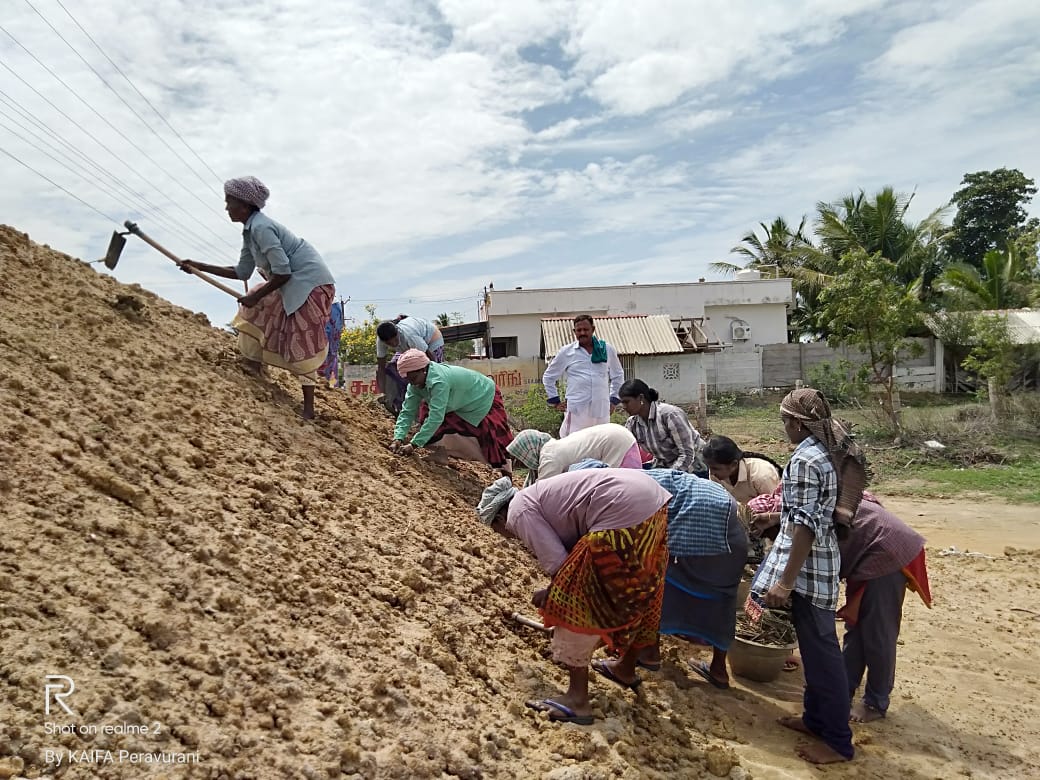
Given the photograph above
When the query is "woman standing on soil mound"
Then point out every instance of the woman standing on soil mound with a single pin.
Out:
(601, 535)
(282, 321)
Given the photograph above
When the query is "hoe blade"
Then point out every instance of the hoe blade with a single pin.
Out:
(115, 249)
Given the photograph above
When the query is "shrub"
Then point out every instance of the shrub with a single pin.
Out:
(529, 410)
(843, 383)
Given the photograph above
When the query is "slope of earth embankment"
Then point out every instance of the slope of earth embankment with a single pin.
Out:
(283, 599)
(260, 597)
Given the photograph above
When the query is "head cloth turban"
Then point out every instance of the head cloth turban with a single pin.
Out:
(495, 496)
(248, 189)
(810, 408)
(412, 360)
(526, 447)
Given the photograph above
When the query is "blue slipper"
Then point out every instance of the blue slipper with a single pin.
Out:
(600, 666)
(568, 716)
(702, 668)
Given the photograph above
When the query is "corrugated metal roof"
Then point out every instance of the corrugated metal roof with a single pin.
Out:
(1024, 325)
(629, 335)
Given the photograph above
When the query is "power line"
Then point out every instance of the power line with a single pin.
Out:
(149, 208)
(87, 178)
(113, 91)
(101, 116)
(102, 145)
(141, 94)
(67, 192)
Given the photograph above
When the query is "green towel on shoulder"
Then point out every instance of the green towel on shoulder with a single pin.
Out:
(599, 350)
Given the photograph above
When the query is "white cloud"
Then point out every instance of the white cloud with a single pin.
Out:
(427, 149)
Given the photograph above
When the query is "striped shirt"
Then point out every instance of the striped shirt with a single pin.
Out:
(810, 492)
(669, 437)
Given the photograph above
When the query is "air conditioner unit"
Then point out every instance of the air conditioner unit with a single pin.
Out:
(741, 332)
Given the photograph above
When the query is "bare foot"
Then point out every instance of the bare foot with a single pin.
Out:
(796, 723)
(252, 367)
(864, 713)
(819, 753)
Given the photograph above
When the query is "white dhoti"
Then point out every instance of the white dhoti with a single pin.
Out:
(584, 414)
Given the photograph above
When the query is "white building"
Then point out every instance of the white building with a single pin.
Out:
(741, 314)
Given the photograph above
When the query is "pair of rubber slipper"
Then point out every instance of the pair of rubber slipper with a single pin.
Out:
(567, 715)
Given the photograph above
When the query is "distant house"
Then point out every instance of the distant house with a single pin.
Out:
(1024, 330)
(673, 336)
(741, 314)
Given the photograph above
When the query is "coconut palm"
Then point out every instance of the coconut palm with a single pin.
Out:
(879, 225)
(782, 252)
(1003, 282)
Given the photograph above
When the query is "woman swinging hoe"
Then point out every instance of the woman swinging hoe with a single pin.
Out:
(282, 321)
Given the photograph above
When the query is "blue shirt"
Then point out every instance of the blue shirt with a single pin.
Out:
(272, 249)
(413, 333)
(810, 491)
(698, 515)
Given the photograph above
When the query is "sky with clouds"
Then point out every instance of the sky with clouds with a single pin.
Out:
(427, 148)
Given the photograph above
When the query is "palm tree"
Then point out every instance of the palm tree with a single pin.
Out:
(879, 225)
(779, 251)
(782, 252)
(1003, 282)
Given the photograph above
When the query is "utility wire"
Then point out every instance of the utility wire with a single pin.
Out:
(67, 192)
(149, 208)
(88, 177)
(141, 94)
(112, 89)
(105, 119)
(99, 142)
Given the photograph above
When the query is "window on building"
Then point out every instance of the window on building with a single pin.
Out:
(504, 346)
(628, 364)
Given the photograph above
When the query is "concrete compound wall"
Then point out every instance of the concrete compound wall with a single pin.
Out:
(677, 377)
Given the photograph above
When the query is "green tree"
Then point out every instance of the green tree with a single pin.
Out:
(990, 213)
(357, 346)
(879, 225)
(868, 308)
(992, 357)
(1004, 280)
(458, 350)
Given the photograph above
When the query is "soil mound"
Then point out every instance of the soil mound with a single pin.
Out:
(285, 599)
(259, 597)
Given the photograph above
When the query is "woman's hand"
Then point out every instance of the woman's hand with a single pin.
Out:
(760, 523)
(250, 300)
(189, 266)
(406, 449)
(396, 445)
(778, 596)
(540, 597)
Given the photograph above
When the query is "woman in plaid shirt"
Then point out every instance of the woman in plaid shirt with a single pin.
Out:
(662, 430)
(802, 569)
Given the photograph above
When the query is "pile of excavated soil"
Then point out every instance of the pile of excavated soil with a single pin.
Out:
(263, 597)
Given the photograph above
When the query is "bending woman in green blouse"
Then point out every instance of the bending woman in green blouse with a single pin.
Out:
(457, 401)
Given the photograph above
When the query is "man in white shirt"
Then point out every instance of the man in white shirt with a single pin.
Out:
(593, 374)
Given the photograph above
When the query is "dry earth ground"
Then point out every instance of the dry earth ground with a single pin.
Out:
(290, 600)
